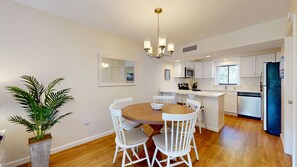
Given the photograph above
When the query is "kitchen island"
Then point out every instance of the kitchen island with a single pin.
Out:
(213, 103)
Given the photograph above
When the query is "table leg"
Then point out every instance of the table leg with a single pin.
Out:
(150, 143)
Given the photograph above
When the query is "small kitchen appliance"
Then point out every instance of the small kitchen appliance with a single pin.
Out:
(194, 87)
(189, 72)
(183, 86)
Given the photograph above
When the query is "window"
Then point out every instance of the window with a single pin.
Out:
(227, 75)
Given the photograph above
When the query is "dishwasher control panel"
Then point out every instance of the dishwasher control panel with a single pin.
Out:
(249, 94)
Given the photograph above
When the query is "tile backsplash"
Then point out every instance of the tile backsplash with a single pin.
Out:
(248, 84)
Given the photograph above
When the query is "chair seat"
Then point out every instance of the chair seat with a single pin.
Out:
(135, 136)
(128, 125)
(159, 141)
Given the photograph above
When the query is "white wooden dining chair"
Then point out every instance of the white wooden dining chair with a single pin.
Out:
(127, 125)
(164, 99)
(176, 141)
(195, 105)
(128, 139)
(202, 108)
(119, 105)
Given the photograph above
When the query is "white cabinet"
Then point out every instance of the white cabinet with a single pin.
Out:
(252, 66)
(198, 70)
(260, 60)
(179, 68)
(204, 69)
(208, 69)
(230, 103)
(2, 148)
(247, 66)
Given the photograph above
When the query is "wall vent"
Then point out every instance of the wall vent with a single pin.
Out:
(189, 48)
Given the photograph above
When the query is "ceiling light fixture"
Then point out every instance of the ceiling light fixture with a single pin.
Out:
(147, 44)
(207, 56)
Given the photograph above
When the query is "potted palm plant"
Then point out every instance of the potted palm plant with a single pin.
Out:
(42, 105)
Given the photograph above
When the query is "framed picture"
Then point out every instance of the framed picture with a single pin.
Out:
(167, 74)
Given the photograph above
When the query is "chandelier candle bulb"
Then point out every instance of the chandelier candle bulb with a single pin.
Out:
(147, 44)
(162, 41)
(170, 47)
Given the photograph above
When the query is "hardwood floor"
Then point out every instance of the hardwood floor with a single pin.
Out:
(241, 143)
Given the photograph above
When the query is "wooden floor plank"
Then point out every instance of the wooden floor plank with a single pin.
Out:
(241, 143)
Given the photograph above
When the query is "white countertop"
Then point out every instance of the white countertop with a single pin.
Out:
(213, 90)
(198, 93)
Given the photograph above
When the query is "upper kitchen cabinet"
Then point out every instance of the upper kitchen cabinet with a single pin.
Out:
(179, 68)
(204, 69)
(247, 66)
(208, 71)
(252, 66)
(260, 60)
(198, 70)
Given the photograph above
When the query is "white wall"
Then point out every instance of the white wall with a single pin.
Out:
(265, 32)
(287, 95)
(293, 9)
(35, 43)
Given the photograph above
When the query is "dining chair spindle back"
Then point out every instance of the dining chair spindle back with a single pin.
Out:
(175, 141)
(164, 99)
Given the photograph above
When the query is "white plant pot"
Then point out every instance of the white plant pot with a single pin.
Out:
(40, 152)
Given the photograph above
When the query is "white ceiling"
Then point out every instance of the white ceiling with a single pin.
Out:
(182, 21)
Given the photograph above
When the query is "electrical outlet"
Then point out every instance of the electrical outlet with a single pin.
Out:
(86, 121)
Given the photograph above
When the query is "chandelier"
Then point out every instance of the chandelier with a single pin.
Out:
(161, 47)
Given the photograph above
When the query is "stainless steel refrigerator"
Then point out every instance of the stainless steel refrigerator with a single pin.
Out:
(270, 86)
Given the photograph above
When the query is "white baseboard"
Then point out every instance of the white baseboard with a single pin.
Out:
(61, 148)
(215, 129)
(212, 128)
(18, 162)
(230, 113)
(286, 149)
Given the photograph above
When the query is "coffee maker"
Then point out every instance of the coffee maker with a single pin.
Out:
(194, 87)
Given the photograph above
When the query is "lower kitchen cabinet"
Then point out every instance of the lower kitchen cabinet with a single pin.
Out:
(230, 103)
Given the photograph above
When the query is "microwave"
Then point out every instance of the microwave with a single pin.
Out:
(189, 72)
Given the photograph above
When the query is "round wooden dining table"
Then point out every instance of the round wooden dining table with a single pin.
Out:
(143, 113)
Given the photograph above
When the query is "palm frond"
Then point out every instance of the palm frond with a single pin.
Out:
(30, 127)
(24, 98)
(50, 87)
(34, 87)
(56, 100)
(53, 121)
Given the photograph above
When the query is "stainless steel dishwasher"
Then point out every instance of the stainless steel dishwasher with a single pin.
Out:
(249, 104)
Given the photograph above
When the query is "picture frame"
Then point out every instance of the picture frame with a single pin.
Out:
(167, 74)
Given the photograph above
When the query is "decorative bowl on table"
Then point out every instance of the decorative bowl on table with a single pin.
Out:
(157, 106)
